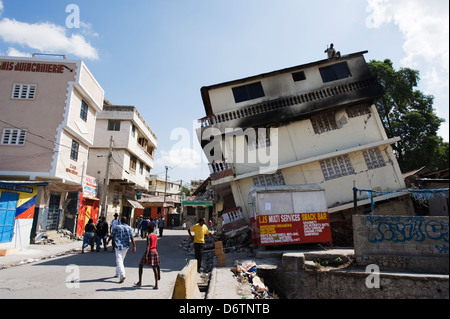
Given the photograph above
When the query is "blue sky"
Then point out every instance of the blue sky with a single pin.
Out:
(156, 55)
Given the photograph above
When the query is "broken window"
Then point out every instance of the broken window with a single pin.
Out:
(336, 167)
(298, 76)
(358, 110)
(248, 92)
(335, 72)
(324, 122)
(269, 179)
(374, 158)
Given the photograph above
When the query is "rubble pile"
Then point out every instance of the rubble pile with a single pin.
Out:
(57, 237)
(246, 274)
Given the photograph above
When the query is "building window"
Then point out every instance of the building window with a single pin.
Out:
(298, 76)
(24, 91)
(374, 158)
(84, 111)
(269, 180)
(133, 163)
(358, 110)
(12, 136)
(113, 125)
(133, 130)
(336, 167)
(324, 122)
(74, 150)
(335, 72)
(248, 92)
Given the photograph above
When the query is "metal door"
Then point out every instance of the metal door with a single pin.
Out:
(8, 206)
(53, 212)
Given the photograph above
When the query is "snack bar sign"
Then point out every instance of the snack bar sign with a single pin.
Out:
(294, 228)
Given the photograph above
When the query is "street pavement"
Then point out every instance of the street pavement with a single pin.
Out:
(56, 278)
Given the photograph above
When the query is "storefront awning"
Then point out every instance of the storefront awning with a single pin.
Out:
(134, 204)
(197, 203)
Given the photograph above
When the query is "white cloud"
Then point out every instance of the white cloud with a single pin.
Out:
(46, 37)
(17, 53)
(184, 158)
(424, 25)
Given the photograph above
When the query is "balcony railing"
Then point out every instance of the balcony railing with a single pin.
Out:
(220, 169)
(287, 101)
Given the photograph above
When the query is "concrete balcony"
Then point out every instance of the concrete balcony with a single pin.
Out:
(290, 108)
(220, 169)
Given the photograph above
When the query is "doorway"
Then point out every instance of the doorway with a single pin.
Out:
(8, 206)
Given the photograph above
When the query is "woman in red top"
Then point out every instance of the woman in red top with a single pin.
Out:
(150, 258)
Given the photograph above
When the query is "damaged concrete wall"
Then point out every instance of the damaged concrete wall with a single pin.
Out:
(294, 279)
(413, 243)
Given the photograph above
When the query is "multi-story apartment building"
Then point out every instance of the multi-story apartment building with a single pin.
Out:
(48, 113)
(309, 124)
(122, 132)
(157, 187)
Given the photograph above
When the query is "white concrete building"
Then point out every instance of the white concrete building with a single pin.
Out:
(317, 124)
(133, 149)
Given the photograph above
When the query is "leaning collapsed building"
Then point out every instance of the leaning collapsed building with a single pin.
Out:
(310, 124)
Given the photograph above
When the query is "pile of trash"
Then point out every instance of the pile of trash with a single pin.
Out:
(246, 274)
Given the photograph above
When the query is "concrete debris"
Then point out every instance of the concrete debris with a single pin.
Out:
(57, 237)
(246, 274)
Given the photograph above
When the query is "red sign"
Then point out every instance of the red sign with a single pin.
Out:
(291, 229)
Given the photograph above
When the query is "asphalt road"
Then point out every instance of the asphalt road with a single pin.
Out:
(91, 275)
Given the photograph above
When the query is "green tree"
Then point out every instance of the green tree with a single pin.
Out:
(408, 113)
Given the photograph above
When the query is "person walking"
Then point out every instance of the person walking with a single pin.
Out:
(161, 226)
(200, 230)
(150, 258)
(143, 227)
(88, 237)
(122, 235)
(102, 233)
(114, 223)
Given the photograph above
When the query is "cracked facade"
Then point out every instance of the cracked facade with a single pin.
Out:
(317, 123)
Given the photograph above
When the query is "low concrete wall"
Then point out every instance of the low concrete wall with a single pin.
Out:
(295, 279)
(407, 243)
(186, 283)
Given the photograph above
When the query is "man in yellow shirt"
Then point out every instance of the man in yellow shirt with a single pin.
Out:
(200, 230)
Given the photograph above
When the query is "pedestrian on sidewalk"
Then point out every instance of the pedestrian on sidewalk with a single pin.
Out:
(150, 258)
(122, 235)
(88, 237)
(200, 230)
(102, 233)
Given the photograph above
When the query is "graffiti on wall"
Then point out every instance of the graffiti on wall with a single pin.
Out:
(406, 228)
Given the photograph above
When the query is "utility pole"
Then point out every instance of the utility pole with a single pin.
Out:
(106, 181)
(165, 190)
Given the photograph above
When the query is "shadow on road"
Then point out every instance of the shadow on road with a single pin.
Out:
(172, 257)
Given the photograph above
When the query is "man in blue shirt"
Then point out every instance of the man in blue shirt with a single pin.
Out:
(122, 235)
